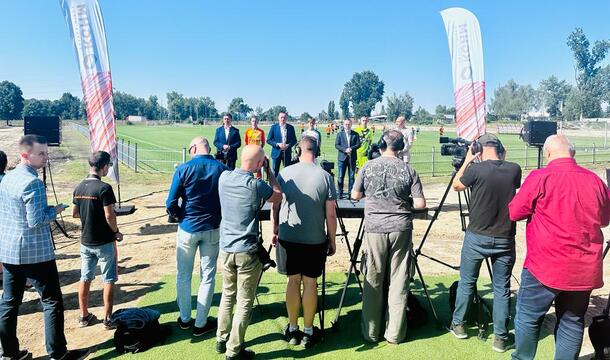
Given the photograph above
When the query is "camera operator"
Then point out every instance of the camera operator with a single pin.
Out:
(196, 184)
(490, 233)
(392, 188)
(227, 140)
(240, 198)
(301, 242)
(566, 206)
(347, 143)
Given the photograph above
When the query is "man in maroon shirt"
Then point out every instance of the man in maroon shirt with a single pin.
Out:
(565, 206)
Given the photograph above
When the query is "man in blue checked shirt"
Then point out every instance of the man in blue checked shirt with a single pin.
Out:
(193, 199)
(26, 250)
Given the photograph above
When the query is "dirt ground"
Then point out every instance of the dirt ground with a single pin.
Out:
(148, 253)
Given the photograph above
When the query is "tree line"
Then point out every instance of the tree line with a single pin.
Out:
(359, 97)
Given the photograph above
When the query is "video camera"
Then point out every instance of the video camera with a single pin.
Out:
(457, 148)
(328, 166)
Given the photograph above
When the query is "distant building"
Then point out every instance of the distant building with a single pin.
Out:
(135, 118)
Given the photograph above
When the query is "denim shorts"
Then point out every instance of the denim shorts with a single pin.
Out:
(106, 255)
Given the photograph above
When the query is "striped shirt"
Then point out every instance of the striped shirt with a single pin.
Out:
(25, 235)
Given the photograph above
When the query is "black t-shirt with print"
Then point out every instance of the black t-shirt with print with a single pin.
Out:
(91, 195)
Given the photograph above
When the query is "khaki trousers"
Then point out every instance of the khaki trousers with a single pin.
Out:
(240, 275)
(387, 270)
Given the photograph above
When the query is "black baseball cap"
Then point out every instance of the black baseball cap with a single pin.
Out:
(489, 138)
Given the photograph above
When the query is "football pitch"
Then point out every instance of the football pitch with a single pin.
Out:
(160, 148)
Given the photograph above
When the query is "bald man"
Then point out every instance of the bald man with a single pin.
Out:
(565, 206)
(193, 200)
(241, 197)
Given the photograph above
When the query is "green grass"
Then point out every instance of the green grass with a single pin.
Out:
(269, 318)
(160, 147)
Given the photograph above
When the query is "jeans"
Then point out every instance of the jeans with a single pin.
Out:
(533, 301)
(45, 280)
(240, 275)
(186, 249)
(387, 269)
(475, 249)
(106, 255)
(350, 166)
(285, 157)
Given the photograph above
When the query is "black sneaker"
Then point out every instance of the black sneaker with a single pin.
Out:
(292, 337)
(210, 325)
(221, 346)
(21, 355)
(501, 345)
(109, 325)
(184, 325)
(311, 340)
(74, 355)
(84, 321)
(244, 354)
(458, 330)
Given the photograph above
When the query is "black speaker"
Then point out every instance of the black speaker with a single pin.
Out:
(47, 126)
(535, 132)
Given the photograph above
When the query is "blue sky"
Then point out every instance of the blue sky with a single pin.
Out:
(293, 53)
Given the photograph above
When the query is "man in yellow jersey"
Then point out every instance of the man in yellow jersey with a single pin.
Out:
(255, 136)
(366, 139)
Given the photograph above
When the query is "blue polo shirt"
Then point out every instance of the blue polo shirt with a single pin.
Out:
(196, 184)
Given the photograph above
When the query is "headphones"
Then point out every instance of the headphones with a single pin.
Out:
(314, 149)
(477, 147)
(383, 142)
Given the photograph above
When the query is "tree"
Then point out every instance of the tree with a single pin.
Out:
(512, 100)
(323, 116)
(553, 94)
(239, 109)
(11, 101)
(206, 108)
(272, 113)
(591, 79)
(363, 91)
(259, 112)
(344, 105)
(177, 106)
(421, 116)
(331, 110)
(401, 105)
(127, 104)
(68, 106)
(304, 117)
(35, 107)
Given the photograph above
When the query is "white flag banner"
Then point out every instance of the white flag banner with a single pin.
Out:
(466, 49)
(84, 19)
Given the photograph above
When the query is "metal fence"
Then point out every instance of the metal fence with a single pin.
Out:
(426, 162)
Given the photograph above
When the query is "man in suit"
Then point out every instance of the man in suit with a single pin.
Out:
(281, 138)
(347, 142)
(227, 140)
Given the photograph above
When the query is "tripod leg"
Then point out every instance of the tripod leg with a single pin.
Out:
(343, 292)
(423, 283)
(322, 307)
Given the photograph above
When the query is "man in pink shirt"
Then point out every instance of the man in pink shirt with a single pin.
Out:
(565, 206)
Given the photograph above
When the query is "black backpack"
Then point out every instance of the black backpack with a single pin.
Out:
(416, 315)
(599, 333)
(478, 311)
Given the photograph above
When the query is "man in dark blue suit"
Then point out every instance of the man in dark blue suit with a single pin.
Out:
(347, 142)
(281, 138)
(227, 140)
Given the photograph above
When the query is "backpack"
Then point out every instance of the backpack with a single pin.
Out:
(416, 315)
(478, 311)
(137, 330)
(599, 333)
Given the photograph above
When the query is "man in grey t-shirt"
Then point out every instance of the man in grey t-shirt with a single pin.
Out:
(392, 188)
(241, 196)
(302, 243)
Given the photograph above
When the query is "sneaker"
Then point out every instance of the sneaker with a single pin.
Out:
(184, 325)
(310, 340)
(244, 354)
(458, 331)
(74, 355)
(84, 321)
(292, 337)
(21, 355)
(210, 325)
(221, 346)
(501, 345)
(109, 325)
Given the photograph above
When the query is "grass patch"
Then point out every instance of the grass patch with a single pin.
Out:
(269, 318)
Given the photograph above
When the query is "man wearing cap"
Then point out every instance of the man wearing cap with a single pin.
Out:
(490, 233)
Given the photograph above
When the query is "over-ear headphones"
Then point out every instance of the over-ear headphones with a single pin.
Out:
(383, 142)
(477, 146)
